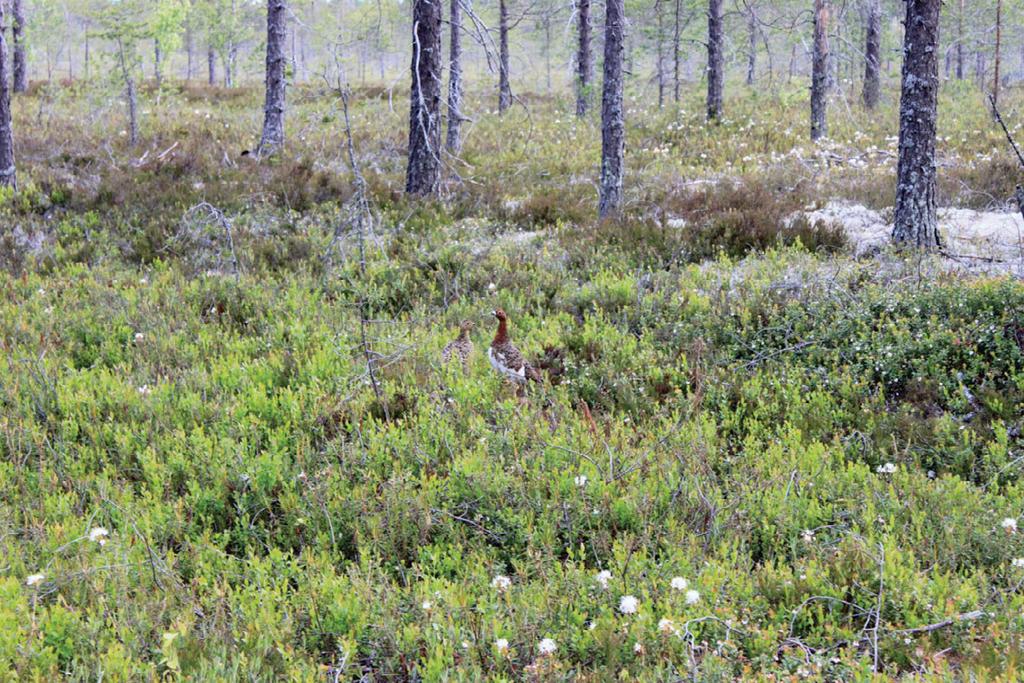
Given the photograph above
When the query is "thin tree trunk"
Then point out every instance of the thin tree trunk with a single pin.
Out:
(716, 67)
(423, 173)
(676, 52)
(158, 59)
(819, 75)
(211, 66)
(998, 55)
(583, 62)
(454, 140)
(189, 49)
(613, 127)
(8, 174)
(751, 45)
(273, 108)
(504, 89)
(873, 53)
(130, 95)
(659, 43)
(86, 27)
(960, 43)
(18, 33)
(916, 221)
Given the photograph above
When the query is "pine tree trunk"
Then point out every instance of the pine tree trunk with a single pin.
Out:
(819, 75)
(676, 52)
(751, 46)
(660, 54)
(423, 174)
(873, 54)
(18, 34)
(158, 58)
(998, 55)
(583, 61)
(716, 57)
(211, 66)
(613, 127)
(960, 44)
(8, 176)
(916, 221)
(454, 139)
(189, 50)
(130, 95)
(504, 89)
(273, 107)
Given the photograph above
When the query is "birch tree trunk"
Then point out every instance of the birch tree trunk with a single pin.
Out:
(158, 59)
(273, 107)
(18, 34)
(916, 221)
(819, 74)
(454, 140)
(423, 174)
(716, 66)
(211, 66)
(872, 55)
(8, 175)
(583, 61)
(504, 89)
(613, 127)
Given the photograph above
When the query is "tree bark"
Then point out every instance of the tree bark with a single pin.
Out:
(273, 107)
(751, 45)
(676, 52)
(504, 89)
(872, 55)
(130, 95)
(18, 34)
(211, 66)
(454, 140)
(659, 42)
(916, 221)
(158, 59)
(8, 175)
(819, 75)
(423, 174)
(189, 49)
(998, 55)
(716, 66)
(583, 61)
(613, 127)
(960, 44)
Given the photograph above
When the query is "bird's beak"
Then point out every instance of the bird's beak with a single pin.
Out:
(494, 313)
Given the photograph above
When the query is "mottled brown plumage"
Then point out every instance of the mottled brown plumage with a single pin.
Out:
(506, 358)
(461, 347)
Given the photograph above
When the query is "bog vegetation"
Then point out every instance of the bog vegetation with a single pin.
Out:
(754, 455)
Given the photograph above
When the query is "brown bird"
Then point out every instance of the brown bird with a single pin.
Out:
(506, 358)
(461, 347)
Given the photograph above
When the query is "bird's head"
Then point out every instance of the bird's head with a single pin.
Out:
(466, 326)
(499, 314)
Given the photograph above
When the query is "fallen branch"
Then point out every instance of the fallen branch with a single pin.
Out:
(973, 615)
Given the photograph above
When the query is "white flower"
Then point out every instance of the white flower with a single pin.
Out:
(491, 287)
(502, 583)
(603, 577)
(143, 280)
(638, 648)
(667, 626)
(501, 644)
(547, 647)
(581, 480)
(145, 390)
(692, 597)
(139, 337)
(465, 645)
(427, 605)
(808, 535)
(628, 604)
(887, 468)
(679, 583)
(99, 535)
(1010, 524)
(1018, 562)
(34, 579)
